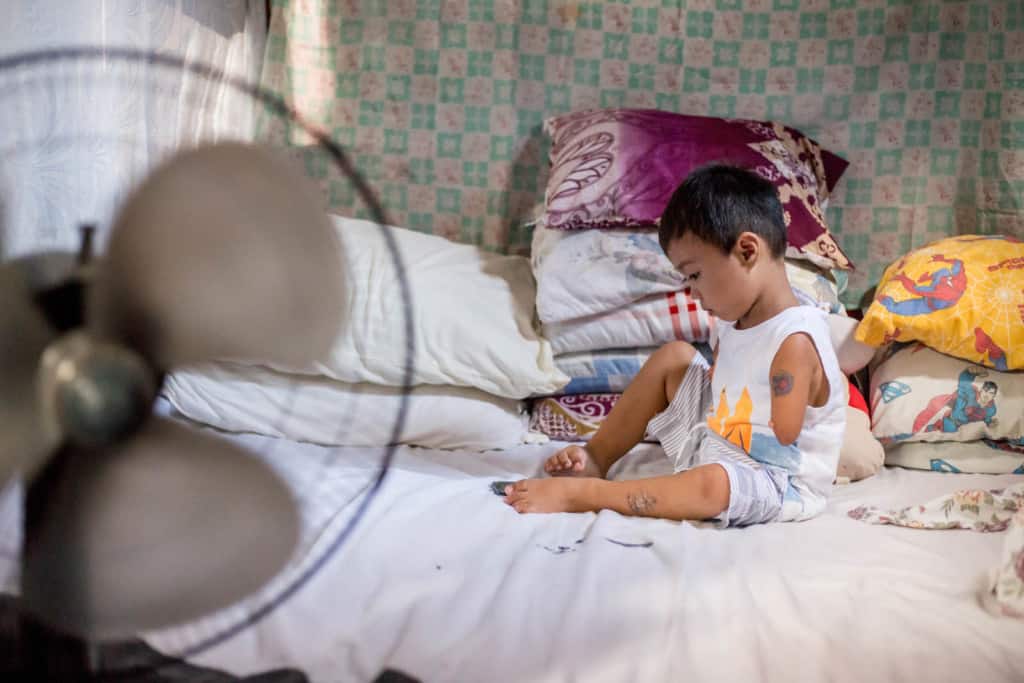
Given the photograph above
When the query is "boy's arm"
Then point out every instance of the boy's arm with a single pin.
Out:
(791, 373)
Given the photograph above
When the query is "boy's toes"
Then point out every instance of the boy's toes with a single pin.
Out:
(515, 492)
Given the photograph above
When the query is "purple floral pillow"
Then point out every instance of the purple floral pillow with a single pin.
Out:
(574, 417)
(617, 168)
(571, 417)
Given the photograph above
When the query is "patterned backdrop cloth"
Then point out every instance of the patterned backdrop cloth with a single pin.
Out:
(442, 101)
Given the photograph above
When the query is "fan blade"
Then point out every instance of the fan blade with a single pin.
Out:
(25, 441)
(168, 526)
(224, 252)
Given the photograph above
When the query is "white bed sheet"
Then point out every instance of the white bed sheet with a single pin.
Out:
(445, 582)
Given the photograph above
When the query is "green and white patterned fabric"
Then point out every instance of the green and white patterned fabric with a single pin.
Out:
(442, 101)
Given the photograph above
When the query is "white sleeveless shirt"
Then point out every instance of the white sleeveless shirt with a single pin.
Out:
(742, 405)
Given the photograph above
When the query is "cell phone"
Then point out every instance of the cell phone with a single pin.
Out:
(498, 487)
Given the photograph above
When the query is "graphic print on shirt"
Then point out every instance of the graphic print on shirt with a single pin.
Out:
(733, 425)
(768, 450)
(736, 427)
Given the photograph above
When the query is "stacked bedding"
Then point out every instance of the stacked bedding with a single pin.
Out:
(458, 381)
(607, 296)
(947, 389)
(606, 300)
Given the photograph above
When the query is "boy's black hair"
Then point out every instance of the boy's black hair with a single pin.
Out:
(990, 386)
(718, 202)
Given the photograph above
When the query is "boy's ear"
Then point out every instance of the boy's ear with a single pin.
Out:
(748, 248)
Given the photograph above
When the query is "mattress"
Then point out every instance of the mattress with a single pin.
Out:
(441, 580)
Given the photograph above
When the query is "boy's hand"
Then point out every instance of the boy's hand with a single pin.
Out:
(572, 461)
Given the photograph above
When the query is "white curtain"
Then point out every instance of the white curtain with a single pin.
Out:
(76, 135)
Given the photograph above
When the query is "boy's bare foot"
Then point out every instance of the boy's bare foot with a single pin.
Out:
(549, 495)
(572, 461)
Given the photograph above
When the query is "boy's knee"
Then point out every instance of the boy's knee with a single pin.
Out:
(672, 360)
(714, 488)
(676, 354)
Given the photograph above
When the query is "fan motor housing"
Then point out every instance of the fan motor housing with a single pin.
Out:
(94, 392)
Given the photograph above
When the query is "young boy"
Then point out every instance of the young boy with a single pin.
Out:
(754, 438)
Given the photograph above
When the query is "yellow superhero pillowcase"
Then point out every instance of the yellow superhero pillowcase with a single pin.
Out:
(962, 296)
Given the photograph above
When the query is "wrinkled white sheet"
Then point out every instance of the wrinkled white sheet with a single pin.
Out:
(445, 582)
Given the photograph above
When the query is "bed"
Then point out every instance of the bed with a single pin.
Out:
(442, 581)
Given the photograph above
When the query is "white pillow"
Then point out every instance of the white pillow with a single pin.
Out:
(590, 272)
(852, 354)
(587, 272)
(472, 316)
(240, 398)
(983, 457)
(919, 394)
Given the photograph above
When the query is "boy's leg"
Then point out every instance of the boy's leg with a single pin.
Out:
(735, 490)
(648, 394)
(697, 494)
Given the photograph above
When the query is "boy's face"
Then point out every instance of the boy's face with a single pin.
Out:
(717, 280)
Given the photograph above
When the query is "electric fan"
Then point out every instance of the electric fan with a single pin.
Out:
(223, 251)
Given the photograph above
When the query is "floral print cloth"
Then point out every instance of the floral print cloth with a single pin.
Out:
(968, 509)
(978, 510)
(1005, 588)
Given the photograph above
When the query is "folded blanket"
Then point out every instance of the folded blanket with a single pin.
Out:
(608, 370)
(582, 273)
(651, 321)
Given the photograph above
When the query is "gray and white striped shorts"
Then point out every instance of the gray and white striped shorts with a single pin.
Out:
(755, 489)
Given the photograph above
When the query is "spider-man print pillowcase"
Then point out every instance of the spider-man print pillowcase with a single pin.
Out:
(918, 394)
(617, 168)
(963, 296)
